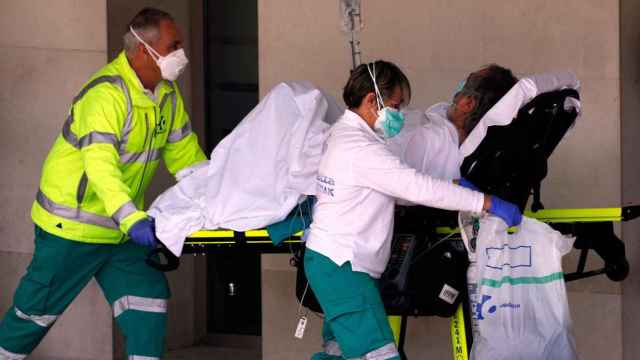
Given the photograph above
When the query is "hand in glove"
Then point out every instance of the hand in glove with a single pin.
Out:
(144, 233)
(467, 184)
(506, 211)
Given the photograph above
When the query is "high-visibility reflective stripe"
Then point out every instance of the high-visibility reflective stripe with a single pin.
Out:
(164, 100)
(96, 137)
(125, 210)
(139, 304)
(179, 134)
(40, 320)
(386, 352)
(138, 357)
(99, 137)
(332, 348)
(142, 157)
(8, 355)
(74, 213)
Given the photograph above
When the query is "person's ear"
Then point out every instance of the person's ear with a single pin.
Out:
(370, 100)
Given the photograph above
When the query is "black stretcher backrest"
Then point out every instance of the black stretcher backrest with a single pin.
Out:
(511, 161)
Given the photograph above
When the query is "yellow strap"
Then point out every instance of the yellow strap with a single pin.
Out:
(458, 336)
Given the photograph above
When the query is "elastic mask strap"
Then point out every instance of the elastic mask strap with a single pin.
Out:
(375, 85)
(156, 56)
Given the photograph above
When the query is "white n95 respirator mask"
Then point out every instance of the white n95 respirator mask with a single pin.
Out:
(172, 65)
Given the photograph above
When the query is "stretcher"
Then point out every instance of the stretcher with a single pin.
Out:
(593, 229)
(504, 165)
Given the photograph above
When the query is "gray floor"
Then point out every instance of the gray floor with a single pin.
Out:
(214, 353)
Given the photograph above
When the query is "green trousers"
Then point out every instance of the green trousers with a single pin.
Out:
(355, 322)
(61, 268)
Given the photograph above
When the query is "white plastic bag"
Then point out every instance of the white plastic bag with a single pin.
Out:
(519, 309)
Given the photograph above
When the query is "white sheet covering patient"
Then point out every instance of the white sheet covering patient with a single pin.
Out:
(256, 174)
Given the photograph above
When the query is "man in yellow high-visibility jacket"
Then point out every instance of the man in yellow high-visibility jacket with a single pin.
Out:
(88, 212)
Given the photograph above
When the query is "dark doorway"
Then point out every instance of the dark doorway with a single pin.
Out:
(231, 91)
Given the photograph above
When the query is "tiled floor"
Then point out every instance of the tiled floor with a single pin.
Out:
(213, 353)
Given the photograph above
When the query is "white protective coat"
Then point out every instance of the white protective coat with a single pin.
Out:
(256, 174)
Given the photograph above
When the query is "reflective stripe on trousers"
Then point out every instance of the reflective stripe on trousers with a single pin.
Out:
(138, 357)
(7, 355)
(332, 348)
(139, 304)
(388, 351)
(40, 320)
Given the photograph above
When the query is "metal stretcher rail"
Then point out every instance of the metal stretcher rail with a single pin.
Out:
(229, 237)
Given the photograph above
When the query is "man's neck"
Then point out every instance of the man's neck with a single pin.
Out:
(143, 75)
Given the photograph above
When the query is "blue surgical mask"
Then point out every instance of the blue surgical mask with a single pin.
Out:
(389, 121)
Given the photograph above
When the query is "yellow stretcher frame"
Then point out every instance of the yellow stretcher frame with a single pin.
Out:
(458, 330)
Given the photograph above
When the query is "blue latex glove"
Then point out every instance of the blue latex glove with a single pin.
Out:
(144, 233)
(467, 184)
(506, 211)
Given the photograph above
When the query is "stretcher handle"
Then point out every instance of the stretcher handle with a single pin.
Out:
(154, 259)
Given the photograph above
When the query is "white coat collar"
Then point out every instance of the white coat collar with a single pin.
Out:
(352, 119)
(438, 114)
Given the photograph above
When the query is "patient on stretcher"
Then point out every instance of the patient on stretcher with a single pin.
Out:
(268, 164)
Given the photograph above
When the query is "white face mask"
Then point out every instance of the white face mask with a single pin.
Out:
(172, 65)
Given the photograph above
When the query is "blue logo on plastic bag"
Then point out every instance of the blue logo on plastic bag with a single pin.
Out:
(483, 304)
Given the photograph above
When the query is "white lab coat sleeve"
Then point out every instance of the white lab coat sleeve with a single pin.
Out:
(375, 167)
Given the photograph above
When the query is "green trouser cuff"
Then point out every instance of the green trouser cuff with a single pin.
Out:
(19, 336)
(144, 332)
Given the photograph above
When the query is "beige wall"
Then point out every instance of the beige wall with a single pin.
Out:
(437, 43)
(45, 58)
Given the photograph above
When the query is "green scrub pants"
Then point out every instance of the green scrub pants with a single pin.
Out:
(355, 322)
(61, 268)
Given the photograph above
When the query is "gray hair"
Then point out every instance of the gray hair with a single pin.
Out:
(487, 87)
(147, 25)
